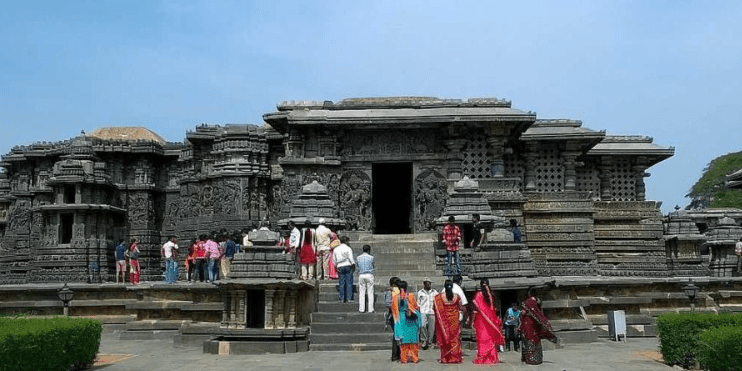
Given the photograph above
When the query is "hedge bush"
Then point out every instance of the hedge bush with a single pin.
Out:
(679, 334)
(721, 349)
(55, 343)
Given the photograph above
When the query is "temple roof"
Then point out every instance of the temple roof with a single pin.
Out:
(561, 130)
(395, 111)
(127, 133)
(631, 145)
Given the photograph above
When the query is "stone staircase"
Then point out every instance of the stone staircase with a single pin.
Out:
(339, 326)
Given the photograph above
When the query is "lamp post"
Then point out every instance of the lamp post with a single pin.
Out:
(65, 295)
(691, 290)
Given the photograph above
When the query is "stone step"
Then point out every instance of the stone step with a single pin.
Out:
(350, 347)
(349, 328)
(338, 338)
(349, 316)
(148, 335)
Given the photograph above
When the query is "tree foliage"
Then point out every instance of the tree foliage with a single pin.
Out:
(710, 191)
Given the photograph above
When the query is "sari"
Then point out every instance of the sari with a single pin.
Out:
(407, 321)
(534, 326)
(447, 327)
(307, 255)
(488, 328)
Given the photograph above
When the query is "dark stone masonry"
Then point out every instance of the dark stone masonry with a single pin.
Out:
(372, 167)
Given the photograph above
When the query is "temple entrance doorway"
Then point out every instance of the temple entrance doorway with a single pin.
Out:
(392, 197)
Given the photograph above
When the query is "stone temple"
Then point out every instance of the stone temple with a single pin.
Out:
(385, 171)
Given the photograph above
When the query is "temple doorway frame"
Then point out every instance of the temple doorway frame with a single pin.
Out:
(392, 190)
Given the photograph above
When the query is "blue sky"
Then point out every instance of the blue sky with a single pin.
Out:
(670, 70)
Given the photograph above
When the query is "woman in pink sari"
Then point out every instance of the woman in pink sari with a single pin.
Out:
(487, 325)
(334, 242)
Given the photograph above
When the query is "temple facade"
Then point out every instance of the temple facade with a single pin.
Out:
(385, 166)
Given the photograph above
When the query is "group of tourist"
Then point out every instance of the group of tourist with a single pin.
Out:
(452, 236)
(209, 258)
(127, 256)
(437, 318)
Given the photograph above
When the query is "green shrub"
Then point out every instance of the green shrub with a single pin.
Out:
(721, 348)
(679, 334)
(56, 343)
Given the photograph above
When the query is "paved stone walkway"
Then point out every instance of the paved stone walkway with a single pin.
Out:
(160, 355)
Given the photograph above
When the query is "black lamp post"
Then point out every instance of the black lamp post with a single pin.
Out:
(691, 290)
(65, 295)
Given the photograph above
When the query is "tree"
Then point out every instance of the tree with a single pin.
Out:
(710, 191)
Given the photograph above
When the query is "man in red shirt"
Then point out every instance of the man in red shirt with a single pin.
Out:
(452, 239)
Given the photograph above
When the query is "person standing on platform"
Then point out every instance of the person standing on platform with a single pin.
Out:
(307, 253)
(366, 267)
(134, 269)
(120, 261)
(323, 250)
(738, 252)
(345, 264)
(169, 252)
(230, 248)
(425, 300)
(199, 258)
(212, 253)
(452, 239)
(407, 320)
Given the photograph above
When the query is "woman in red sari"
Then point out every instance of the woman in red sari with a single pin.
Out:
(447, 307)
(487, 325)
(133, 254)
(307, 251)
(534, 326)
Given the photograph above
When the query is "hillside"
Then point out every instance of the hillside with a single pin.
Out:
(709, 191)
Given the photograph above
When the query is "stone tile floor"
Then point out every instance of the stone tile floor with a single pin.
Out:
(160, 355)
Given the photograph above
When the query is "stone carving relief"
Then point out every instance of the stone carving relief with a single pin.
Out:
(388, 143)
(430, 196)
(355, 200)
(172, 212)
(20, 217)
(141, 209)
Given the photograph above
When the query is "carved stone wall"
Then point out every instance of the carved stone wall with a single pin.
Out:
(629, 239)
(477, 162)
(430, 198)
(355, 200)
(549, 170)
(559, 233)
(623, 181)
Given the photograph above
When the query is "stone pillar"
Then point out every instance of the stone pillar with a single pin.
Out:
(295, 144)
(269, 308)
(496, 145)
(279, 309)
(606, 175)
(454, 157)
(570, 173)
(530, 176)
(639, 170)
(233, 308)
(242, 305)
(226, 307)
(292, 304)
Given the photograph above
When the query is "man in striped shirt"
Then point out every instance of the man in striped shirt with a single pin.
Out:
(451, 239)
(366, 266)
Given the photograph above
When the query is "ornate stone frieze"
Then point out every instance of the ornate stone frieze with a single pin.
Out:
(388, 143)
(355, 200)
(430, 196)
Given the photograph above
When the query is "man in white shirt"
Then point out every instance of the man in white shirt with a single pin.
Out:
(323, 250)
(344, 262)
(457, 279)
(169, 252)
(738, 252)
(425, 301)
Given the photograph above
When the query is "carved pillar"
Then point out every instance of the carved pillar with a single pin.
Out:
(226, 307)
(454, 157)
(570, 173)
(279, 309)
(496, 145)
(530, 175)
(639, 170)
(242, 305)
(269, 308)
(233, 308)
(327, 144)
(292, 303)
(295, 144)
(606, 175)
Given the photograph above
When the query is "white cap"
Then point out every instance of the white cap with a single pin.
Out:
(321, 220)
